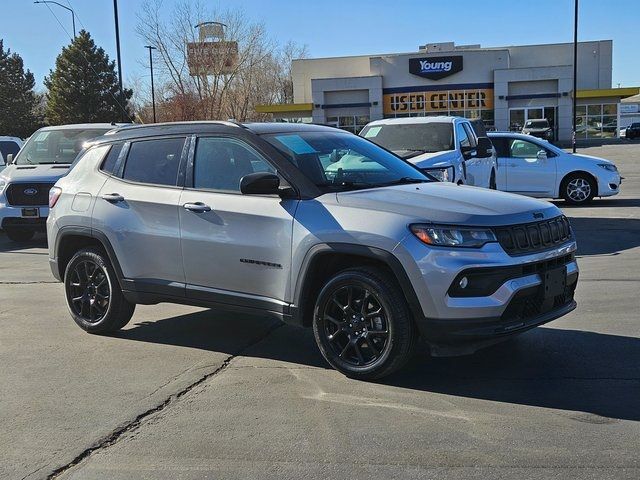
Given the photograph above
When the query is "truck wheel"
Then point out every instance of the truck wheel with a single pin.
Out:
(93, 294)
(362, 324)
(578, 189)
(19, 234)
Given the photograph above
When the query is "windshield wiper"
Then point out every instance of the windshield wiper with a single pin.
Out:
(405, 181)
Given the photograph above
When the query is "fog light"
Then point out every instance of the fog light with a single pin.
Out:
(463, 282)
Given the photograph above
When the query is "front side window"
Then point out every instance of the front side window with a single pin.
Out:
(8, 148)
(414, 137)
(154, 161)
(221, 162)
(56, 146)
(524, 149)
(463, 138)
(337, 161)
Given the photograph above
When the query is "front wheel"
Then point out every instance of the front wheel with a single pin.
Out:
(93, 294)
(578, 189)
(362, 324)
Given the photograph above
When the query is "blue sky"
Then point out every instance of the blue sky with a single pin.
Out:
(343, 27)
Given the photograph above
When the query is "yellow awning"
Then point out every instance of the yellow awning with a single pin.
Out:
(608, 92)
(285, 108)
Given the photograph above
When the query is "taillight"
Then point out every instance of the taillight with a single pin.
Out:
(54, 195)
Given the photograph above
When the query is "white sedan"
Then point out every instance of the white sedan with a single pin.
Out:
(531, 166)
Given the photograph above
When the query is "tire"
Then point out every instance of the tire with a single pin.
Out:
(578, 189)
(492, 181)
(19, 234)
(93, 294)
(351, 307)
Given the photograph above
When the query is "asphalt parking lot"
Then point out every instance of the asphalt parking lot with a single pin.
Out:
(190, 393)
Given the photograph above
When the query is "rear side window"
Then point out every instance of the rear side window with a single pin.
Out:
(154, 161)
(110, 162)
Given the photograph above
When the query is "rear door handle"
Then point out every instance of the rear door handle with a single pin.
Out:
(112, 197)
(197, 207)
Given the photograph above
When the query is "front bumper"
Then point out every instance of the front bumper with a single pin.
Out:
(457, 325)
(12, 216)
(609, 184)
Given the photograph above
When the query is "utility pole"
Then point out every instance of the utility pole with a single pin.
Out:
(575, 73)
(121, 101)
(73, 14)
(153, 95)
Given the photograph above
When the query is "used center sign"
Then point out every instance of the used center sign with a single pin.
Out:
(435, 68)
(438, 101)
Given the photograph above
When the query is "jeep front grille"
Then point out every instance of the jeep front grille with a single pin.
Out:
(534, 237)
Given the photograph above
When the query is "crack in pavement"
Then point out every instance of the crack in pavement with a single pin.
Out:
(117, 434)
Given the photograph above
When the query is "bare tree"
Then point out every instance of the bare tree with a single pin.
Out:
(260, 74)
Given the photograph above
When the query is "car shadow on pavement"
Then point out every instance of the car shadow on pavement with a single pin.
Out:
(593, 377)
(598, 236)
(6, 245)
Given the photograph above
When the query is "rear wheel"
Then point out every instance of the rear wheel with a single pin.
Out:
(362, 324)
(578, 189)
(19, 234)
(93, 294)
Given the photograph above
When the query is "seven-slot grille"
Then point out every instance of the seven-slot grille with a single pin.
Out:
(28, 194)
(534, 237)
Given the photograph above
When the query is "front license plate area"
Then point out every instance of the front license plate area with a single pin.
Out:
(554, 282)
(31, 212)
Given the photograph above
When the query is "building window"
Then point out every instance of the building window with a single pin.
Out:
(350, 123)
(596, 120)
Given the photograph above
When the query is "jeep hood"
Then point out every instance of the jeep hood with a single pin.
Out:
(447, 203)
(34, 173)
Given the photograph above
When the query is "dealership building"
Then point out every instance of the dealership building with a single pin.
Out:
(504, 86)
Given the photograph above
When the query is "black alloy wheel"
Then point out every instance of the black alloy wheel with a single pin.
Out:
(362, 323)
(355, 323)
(89, 291)
(94, 297)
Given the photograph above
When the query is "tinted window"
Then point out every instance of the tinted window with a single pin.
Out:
(154, 161)
(220, 163)
(414, 137)
(463, 138)
(7, 147)
(110, 162)
(470, 134)
(337, 161)
(501, 145)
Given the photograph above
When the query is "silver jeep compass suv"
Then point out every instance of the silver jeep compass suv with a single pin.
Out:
(373, 255)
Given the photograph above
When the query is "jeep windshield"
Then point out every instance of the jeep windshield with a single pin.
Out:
(56, 145)
(340, 161)
(408, 140)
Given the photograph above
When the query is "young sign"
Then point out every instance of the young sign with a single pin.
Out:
(435, 68)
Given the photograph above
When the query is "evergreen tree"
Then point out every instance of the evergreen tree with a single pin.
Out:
(84, 86)
(18, 102)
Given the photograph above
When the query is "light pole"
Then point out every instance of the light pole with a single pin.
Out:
(73, 15)
(115, 15)
(575, 73)
(153, 95)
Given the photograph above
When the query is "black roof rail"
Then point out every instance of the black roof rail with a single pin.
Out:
(236, 122)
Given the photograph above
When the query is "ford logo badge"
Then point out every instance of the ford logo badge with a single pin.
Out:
(30, 191)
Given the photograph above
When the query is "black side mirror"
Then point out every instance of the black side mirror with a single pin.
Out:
(484, 148)
(260, 183)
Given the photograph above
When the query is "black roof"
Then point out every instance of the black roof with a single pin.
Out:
(188, 128)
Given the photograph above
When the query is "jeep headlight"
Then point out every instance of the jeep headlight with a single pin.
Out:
(443, 174)
(452, 236)
(607, 166)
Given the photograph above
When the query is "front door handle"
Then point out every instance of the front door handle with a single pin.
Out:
(197, 207)
(112, 197)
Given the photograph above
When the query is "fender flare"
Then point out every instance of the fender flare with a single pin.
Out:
(389, 259)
